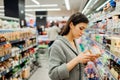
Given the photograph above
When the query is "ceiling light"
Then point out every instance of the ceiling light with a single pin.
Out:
(49, 5)
(29, 10)
(36, 2)
(1, 14)
(1, 6)
(49, 9)
(1, 10)
(102, 5)
(54, 9)
(67, 4)
(27, 14)
(86, 7)
(45, 5)
(56, 18)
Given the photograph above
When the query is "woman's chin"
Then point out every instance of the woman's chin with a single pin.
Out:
(78, 37)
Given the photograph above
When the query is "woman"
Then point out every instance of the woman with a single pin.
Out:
(65, 60)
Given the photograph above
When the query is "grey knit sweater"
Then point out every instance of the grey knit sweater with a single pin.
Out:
(60, 53)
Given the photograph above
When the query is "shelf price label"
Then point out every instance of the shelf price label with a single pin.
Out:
(2, 59)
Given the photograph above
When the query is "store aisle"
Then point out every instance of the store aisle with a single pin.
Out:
(42, 72)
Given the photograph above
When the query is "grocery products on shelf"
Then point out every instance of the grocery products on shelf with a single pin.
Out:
(91, 72)
(9, 23)
(17, 52)
(101, 65)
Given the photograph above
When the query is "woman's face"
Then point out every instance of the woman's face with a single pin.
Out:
(78, 29)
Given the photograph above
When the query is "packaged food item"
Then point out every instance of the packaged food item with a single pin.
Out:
(2, 38)
(1, 51)
(26, 73)
(93, 50)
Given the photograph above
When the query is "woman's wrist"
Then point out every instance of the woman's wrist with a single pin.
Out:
(77, 60)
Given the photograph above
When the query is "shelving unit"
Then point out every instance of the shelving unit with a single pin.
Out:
(23, 47)
(9, 18)
(107, 52)
(102, 27)
(111, 55)
(5, 57)
(27, 64)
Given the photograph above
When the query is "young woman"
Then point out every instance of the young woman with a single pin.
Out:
(65, 59)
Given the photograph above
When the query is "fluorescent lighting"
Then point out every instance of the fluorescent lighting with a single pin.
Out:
(27, 14)
(45, 5)
(67, 4)
(1, 14)
(1, 10)
(49, 5)
(1, 6)
(102, 5)
(29, 10)
(49, 9)
(29, 6)
(86, 7)
(54, 9)
(57, 18)
(36, 2)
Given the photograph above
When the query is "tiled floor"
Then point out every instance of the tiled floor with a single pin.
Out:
(42, 72)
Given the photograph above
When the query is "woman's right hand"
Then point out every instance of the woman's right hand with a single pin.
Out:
(84, 58)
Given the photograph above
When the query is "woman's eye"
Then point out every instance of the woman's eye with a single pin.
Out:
(81, 28)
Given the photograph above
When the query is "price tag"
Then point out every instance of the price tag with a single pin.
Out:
(2, 59)
(7, 42)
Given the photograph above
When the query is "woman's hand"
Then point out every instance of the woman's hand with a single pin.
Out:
(84, 58)
(81, 58)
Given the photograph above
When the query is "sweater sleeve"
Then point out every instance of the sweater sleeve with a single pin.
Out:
(58, 68)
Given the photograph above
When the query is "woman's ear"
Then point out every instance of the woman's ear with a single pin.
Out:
(71, 25)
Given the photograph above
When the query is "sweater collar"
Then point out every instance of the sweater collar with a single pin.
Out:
(68, 43)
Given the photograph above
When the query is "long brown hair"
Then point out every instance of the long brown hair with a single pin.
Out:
(75, 19)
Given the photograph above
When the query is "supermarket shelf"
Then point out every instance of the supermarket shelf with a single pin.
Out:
(5, 57)
(16, 52)
(103, 17)
(9, 18)
(21, 61)
(3, 43)
(110, 73)
(16, 41)
(29, 47)
(19, 71)
(106, 51)
(20, 40)
(5, 72)
(96, 70)
(19, 51)
(106, 68)
(113, 56)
